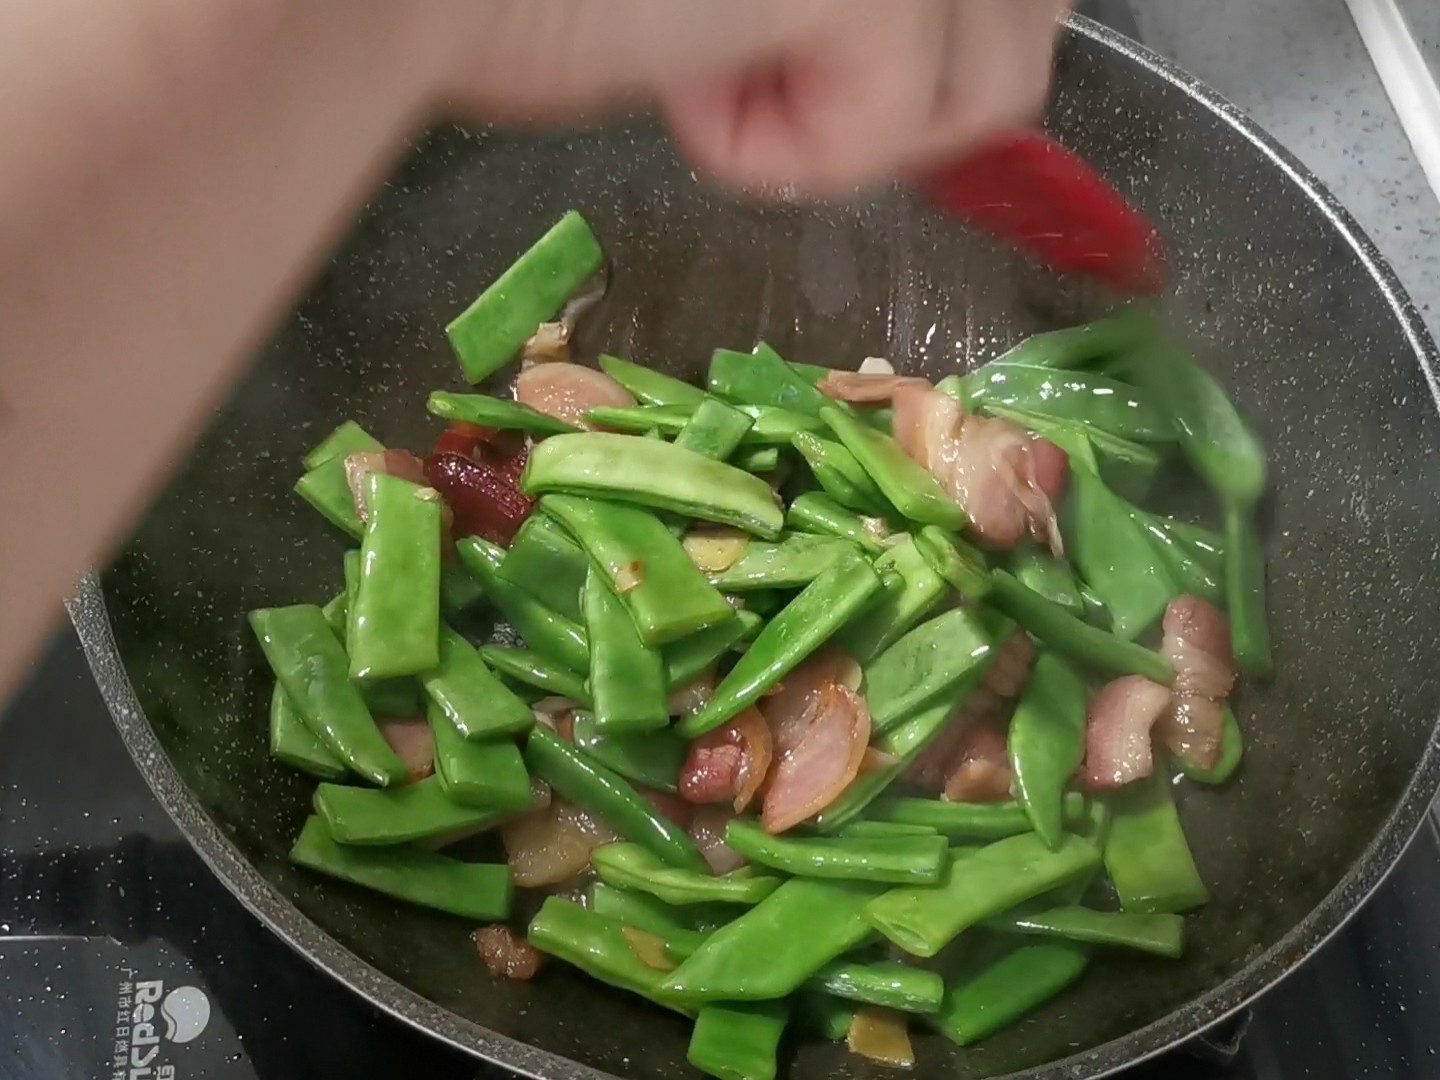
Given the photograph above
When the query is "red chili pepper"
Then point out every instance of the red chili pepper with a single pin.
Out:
(482, 493)
(1032, 192)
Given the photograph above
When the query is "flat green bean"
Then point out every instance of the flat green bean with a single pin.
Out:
(915, 859)
(479, 891)
(630, 866)
(655, 474)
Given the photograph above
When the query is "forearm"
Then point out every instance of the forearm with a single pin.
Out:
(172, 169)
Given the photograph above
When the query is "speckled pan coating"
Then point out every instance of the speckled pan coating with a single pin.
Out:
(1286, 301)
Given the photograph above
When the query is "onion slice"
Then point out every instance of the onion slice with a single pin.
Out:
(821, 765)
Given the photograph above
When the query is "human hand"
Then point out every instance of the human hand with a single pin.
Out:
(819, 94)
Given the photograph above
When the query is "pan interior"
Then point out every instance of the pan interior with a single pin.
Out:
(1275, 298)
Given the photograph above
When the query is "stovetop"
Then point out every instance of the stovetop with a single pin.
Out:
(104, 907)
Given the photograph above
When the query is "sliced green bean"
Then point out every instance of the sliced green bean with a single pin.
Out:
(666, 420)
(476, 703)
(547, 632)
(883, 830)
(529, 667)
(922, 921)
(800, 628)
(394, 623)
(895, 860)
(655, 474)
(1194, 570)
(905, 483)
(1218, 444)
(652, 759)
(597, 946)
(1116, 557)
(1077, 639)
(495, 412)
(799, 928)
(842, 477)
(715, 430)
(688, 658)
(326, 488)
(757, 459)
(418, 811)
(547, 564)
(310, 664)
(970, 821)
(630, 866)
(996, 993)
(627, 676)
(295, 744)
(927, 663)
(648, 385)
(761, 377)
(1159, 934)
(1076, 346)
(591, 786)
(638, 909)
(1041, 572)
(912, 590)
(1046, 743)
(1245, 593)
(481, 773)
(659, 584)
(402, 696)
(795, 560)
(478, 891)
(1146, 854)
(959, 563)
(817, 513)
(823, 1015)
(349, 438)
(885, 983)
(488, 334)
(1086, 396)
(738, 1042)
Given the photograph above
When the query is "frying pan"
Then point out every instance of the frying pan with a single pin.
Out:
(1285, 299)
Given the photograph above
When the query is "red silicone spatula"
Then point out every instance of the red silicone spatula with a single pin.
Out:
(1030, 191)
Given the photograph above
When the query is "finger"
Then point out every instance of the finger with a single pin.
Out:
(826, 116)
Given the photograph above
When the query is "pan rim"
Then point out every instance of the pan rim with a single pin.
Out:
(282, 917)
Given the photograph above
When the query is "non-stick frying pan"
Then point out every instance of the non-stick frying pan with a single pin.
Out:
(1288, 303)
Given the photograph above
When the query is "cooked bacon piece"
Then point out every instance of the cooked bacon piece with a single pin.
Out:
(1003, 478)
(483, 495)
(789, 709)
(1117, 731)
(568, 391)
(1197, 642)
(505, 954)
(811, 775)
(730, 763)
(672, 806)
(413, 743)
(980, 765)
(865, 388)
(988, 703)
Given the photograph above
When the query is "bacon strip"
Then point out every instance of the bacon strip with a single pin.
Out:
(1197, 642)
(1003, 478)
(1117, 732)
